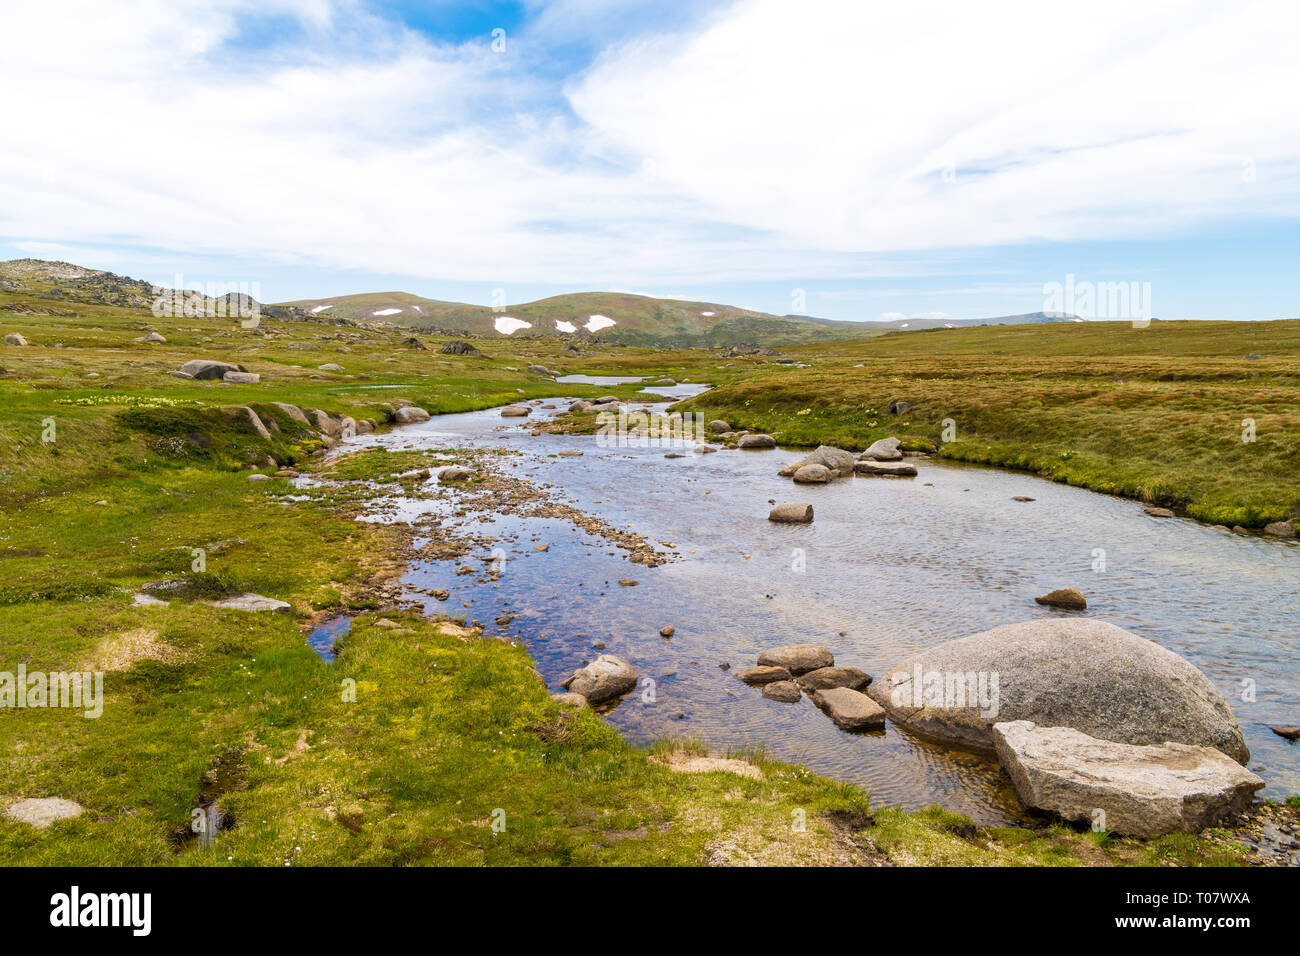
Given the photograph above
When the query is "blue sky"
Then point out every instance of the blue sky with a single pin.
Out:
(933, 160)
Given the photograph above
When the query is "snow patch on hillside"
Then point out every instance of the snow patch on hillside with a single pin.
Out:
(386, 312)
(322, 308)
(597, 322)
(566, 326)
(508, 326)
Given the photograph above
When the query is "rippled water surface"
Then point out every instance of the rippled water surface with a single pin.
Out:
(889, 566)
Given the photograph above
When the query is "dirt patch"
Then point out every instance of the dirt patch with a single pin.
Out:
(679, 761)
(119, 652)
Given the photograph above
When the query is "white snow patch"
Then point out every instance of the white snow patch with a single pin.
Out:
(386, 312)
(708, 313)
(507, 326)
(322, 308)
(597, 322)
(566, 326)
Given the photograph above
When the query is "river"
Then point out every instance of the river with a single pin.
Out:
(888, 567)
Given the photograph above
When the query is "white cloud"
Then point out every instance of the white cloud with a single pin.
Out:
(766, 141)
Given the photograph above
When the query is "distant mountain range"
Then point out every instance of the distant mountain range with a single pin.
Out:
(624, 318)
(612, 317)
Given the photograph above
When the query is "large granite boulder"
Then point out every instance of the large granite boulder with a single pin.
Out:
(603, 679)
(756, 441)
(1143, 791)
(1059, 672)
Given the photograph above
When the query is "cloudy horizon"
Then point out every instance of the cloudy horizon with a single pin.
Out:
(755, 153)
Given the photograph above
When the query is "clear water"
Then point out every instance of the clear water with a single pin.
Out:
(890, 566)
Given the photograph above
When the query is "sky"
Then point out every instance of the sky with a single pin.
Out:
(851, 160)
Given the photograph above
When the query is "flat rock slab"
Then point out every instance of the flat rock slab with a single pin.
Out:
(515, 411)
(887, 469)
(756, 441)
(825, 678)
(763, 675)
(1132, 790)
(797, 658)
(791, 514)
(253, 602)
(43, 811)
(850, 709)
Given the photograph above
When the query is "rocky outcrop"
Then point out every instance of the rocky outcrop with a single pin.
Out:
(797, 658)
(250, 416)
(293, 411)
(15, 338)
(850, 709)
(718, 426)
(457, 347)
(1058, 672)
(791, 514)
(327, 425)
(241, 378)
(1133, 790)
(1280, 529)
(207, 369)
(603, 679)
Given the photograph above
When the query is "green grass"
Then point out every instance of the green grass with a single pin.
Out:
(1154, 414)
(146, 473)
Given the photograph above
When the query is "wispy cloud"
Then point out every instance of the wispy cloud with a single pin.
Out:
(750, 141)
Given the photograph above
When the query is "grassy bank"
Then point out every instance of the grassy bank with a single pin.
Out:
(422, 743)
(1156, 414)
